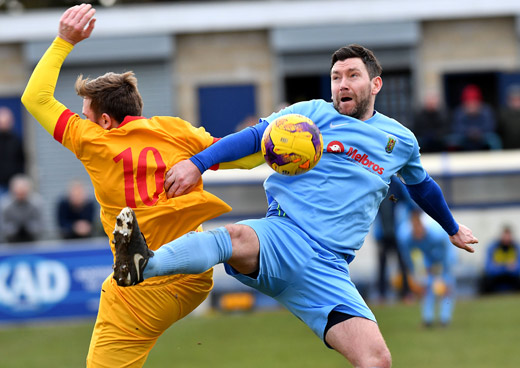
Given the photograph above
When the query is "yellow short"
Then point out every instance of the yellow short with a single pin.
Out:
(131, 319)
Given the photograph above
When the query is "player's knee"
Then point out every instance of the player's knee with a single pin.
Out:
(246, 248)
(383, 359)
(244, 240)
(240, 234)
(235, 232)
(379, 358)
(232, 228)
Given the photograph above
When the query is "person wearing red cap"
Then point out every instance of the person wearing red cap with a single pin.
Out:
(474, 122)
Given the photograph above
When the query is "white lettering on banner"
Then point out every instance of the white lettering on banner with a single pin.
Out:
(27, 285)
(91, 277)
(6, 297)
(54, 281)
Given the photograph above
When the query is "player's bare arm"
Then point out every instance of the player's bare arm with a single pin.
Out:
(463, 238)
(77, 23)
(181, 178)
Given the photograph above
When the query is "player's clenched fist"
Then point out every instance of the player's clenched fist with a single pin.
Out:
(181, 178)
(77, 23)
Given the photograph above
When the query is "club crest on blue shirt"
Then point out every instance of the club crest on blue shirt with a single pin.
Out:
(390, 144)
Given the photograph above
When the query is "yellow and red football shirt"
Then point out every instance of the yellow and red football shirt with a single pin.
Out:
(126, 164)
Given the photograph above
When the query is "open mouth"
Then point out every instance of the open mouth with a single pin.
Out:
(346, 99)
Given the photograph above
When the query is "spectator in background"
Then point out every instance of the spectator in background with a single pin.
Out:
(12, 155)
(385, 234)
(21, 212)
(474, 124)
(438, 257)
(509, 119)
(76, 213)
(502, 268)
(431, 124)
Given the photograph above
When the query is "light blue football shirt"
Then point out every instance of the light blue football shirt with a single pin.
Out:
(337, 201)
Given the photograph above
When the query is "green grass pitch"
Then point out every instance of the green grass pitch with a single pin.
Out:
(485, 333)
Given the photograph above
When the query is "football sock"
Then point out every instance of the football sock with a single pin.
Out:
(192, 253)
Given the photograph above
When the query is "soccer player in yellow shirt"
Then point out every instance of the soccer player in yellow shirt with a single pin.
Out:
(126, 156)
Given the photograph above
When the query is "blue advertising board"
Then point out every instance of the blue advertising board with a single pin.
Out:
(41, 283)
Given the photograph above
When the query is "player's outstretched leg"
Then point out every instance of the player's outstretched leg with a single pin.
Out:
(132, 253)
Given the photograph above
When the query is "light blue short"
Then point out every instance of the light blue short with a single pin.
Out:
(307, 279)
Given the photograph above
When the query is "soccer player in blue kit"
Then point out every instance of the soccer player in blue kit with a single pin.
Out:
(439, 258)
(299, 253)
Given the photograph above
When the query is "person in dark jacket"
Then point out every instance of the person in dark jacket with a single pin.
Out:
(502, 268)
(11, 150)
(76, 213)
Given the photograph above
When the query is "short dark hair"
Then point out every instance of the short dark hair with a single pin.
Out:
(114, 94)
(358, 51)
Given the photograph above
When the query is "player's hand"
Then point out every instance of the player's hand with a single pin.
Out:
(463, 238)
(77, 23)
(181, 178)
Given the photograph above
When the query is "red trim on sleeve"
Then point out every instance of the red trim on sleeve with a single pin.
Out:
(61, 124)
(216, 166)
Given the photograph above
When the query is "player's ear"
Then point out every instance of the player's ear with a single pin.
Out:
(107, 122)
(377, 84)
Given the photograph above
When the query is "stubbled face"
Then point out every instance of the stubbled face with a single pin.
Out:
(353, 92)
